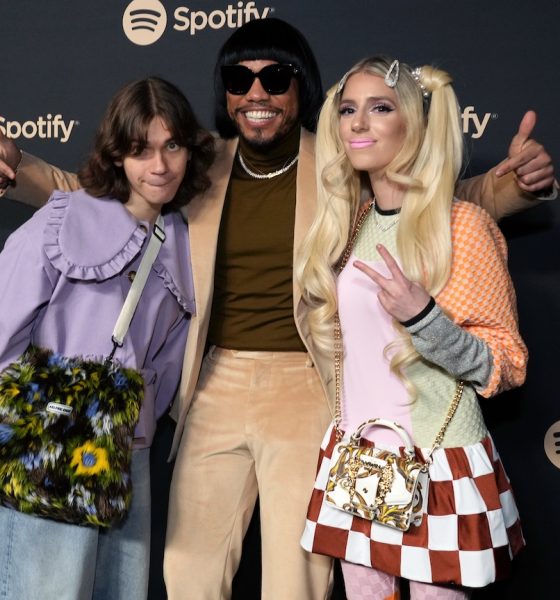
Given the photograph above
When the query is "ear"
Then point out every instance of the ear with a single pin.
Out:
(118, 163)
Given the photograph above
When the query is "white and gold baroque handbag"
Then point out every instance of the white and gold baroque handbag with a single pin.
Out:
(377, 484)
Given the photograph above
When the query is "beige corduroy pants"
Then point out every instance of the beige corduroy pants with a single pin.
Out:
(254, 429)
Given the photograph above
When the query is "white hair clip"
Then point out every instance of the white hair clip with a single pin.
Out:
(417, 74)
(392, 74)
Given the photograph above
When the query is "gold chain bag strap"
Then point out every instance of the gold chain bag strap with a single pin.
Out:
(370, 482)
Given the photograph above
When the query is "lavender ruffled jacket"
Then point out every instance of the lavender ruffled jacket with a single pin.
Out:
(64, 276)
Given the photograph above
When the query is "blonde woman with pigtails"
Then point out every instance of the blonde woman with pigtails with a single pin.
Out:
(424, 300)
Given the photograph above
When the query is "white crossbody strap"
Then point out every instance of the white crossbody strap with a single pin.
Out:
(133, 296)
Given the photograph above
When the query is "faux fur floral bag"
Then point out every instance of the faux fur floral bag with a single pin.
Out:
(67, 425)
(66, 428)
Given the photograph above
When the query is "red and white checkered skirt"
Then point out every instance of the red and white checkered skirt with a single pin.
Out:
(470, 530)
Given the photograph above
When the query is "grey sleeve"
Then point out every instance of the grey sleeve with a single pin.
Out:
(440, 341)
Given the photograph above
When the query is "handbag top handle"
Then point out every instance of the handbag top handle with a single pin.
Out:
(398, 429)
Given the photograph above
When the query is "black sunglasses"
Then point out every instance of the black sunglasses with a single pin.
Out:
(275, 79)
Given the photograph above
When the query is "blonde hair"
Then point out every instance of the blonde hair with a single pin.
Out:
(427, 167)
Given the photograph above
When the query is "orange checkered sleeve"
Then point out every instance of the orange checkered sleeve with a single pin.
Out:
(480, 297)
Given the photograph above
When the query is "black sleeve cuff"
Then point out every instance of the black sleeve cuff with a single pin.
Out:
(420, 315)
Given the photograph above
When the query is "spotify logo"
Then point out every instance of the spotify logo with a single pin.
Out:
(552, 444)
(144, 21)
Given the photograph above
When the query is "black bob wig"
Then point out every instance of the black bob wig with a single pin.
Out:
(270, 39)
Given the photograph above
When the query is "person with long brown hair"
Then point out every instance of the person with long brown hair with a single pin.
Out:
(64, 277)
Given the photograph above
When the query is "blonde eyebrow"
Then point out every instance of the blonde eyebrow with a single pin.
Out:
(369, 98)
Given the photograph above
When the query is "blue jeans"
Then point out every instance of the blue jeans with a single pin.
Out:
(40, 558)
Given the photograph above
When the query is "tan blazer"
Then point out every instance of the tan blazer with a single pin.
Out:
(36, 179)
(204, 214)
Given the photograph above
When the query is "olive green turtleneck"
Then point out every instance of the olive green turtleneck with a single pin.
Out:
(253, 290)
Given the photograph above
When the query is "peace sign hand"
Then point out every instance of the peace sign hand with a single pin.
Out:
(401, 298)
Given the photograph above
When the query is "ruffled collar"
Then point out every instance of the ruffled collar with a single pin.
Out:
(94, 239)
(173, 263)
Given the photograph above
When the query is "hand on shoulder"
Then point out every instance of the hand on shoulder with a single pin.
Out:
(10, 157)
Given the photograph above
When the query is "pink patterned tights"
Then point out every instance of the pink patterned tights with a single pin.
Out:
(363, 583)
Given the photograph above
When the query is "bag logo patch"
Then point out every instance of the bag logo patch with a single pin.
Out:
(59, 409)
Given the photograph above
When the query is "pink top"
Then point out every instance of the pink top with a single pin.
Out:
(368, 383)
